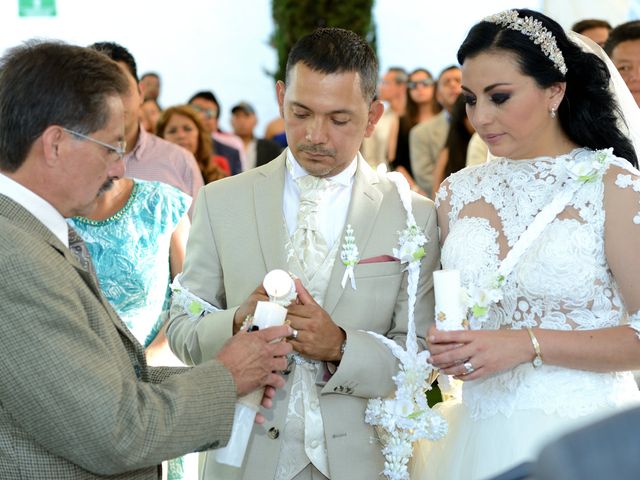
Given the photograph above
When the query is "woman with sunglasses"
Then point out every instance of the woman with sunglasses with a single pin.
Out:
(421, 106)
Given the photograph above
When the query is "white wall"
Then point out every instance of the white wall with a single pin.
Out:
(222, 45)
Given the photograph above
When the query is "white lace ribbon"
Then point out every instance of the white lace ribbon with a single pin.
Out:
(192, 305)
(407, 417)
(539, 223)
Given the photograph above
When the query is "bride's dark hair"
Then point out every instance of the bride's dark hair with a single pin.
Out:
(588, 113)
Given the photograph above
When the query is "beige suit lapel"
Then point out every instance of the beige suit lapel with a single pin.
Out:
(363, 212)
(268, 194)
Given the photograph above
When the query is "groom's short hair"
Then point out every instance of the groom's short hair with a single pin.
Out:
(335, 50)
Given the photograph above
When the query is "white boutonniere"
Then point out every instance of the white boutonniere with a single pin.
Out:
(350, 257)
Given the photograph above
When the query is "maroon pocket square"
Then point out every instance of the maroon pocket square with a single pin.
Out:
(379, 259)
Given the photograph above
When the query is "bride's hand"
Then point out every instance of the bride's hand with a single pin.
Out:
(472, 354)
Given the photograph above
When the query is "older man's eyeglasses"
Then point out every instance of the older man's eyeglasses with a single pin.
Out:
(427, 82)
(119, 149)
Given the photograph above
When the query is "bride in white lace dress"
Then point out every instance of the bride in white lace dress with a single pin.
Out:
(556, 350)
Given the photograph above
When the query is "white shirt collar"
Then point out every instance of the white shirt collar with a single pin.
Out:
(37, 206)
(345, 177)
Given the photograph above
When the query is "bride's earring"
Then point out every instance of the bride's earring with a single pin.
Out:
(552, 112)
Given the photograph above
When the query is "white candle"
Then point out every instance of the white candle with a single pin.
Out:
(279, 286)
(269, 314)
(450, 311)
(281, 290)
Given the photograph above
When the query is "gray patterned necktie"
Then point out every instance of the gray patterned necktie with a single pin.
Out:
(310, 245)
(81, 252)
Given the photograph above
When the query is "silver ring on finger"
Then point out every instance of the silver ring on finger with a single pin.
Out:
(294, 334)
(468, 367)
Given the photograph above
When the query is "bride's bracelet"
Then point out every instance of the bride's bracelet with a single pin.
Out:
(537, 360)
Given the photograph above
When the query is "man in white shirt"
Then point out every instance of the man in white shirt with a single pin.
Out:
(293, 213)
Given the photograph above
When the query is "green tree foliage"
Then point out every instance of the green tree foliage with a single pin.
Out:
(295, 18)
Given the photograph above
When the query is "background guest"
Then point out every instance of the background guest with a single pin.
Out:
(150, 86)
(206, 104)
(149, 157)
(182, 125)
(453, 156)
(427, 139)
(149, 114)
(623, 47)
(257, 150)
(596, 29)
(421, 106)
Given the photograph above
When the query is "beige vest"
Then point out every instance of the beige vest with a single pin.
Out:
(303, 440)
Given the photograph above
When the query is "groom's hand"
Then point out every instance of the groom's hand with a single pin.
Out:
(248, 307)
(318, 337)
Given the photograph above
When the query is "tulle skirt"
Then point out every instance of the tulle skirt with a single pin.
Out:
(478, 449)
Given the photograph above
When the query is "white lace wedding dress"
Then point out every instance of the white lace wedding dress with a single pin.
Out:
(564, 281)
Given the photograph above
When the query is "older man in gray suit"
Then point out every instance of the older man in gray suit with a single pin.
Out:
(293, 214)
(427, 139)
(77, 399)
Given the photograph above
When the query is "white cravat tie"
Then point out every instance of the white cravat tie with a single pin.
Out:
(308, 242)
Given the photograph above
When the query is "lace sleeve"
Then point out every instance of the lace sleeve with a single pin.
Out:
(622, 233)
(443, 207)
(634, 322)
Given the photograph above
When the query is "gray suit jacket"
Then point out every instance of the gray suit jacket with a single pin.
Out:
(608, 449)
(238, 235)
(426, 140)
(77, 400)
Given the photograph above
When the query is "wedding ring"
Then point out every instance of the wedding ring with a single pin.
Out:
(294, 333)
(468, 367)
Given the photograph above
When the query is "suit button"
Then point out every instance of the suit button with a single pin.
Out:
(273, 433)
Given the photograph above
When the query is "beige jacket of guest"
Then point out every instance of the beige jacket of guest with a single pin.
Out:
(426, 140)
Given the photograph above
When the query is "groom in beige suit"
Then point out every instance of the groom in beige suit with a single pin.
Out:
(293, 214)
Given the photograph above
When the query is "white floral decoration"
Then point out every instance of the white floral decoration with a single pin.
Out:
(349, 256)
(535, 30)
(480, 298)
(407, 417)
(588, 168)
(191, 304)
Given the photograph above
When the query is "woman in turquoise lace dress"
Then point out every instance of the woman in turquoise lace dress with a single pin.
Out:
(136, 237)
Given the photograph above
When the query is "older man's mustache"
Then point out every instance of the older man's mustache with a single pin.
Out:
(106, 186)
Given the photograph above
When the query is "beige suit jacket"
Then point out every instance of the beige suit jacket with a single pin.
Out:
(78, 400)
(426, 140)
(238, 235)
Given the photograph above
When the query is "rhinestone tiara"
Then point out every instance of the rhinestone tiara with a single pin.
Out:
(533, 29)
